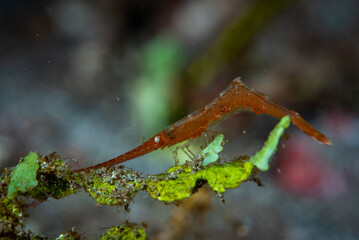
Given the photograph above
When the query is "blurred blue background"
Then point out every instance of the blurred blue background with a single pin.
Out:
(90, 79)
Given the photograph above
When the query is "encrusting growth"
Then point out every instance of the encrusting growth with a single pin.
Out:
(236, 97)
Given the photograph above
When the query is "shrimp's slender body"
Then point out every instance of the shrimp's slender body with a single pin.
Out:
(236, 97)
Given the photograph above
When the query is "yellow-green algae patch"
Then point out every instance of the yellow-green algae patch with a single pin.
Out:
(219, 178)
(226, 176)
(178, 169)
(127, 232)
(23, 178)
(172, 186)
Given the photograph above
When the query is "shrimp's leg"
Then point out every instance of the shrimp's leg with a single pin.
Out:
(175, 155)
(185, 149)
(214, 134)
(206, 137)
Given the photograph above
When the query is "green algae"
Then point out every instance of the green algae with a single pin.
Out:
(261, 158)
(126, 232)
(210, 153)
(23, 178)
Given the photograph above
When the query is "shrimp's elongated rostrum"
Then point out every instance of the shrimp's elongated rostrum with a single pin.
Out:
(236, 97)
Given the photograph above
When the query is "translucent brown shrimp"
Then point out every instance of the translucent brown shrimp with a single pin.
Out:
(236, 97)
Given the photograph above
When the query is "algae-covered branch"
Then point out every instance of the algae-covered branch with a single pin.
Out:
(40, 177)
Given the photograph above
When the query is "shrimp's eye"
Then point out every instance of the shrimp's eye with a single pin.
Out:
(157, 139)
(222, 108)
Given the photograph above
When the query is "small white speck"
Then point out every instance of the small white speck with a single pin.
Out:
(36, 34)
(49, 61)
(244, 131)
(117, 99)
(113, 175)
(157, 139)
(237, 80)
(279, 171)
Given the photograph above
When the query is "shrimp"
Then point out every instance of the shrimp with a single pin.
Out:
(236, 97)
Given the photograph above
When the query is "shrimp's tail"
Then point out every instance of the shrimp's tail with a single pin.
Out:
(278, 111)
(259, 103)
